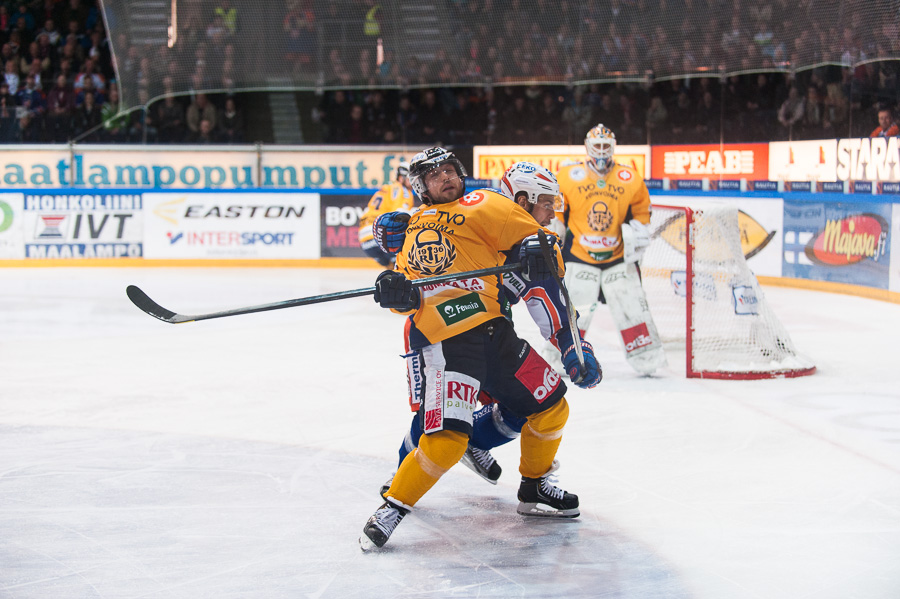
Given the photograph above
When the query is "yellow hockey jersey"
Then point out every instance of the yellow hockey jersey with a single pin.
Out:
(468, 234)
(390, 198)
(594, 208)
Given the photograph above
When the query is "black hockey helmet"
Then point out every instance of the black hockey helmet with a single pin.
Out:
(425, 162)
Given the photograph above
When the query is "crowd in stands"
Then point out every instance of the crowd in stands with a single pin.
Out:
(757, 107)
(60, 84)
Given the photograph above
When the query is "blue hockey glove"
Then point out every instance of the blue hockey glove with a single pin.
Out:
(592, 372)
(393, 290)
(390, 231)
(534, 267)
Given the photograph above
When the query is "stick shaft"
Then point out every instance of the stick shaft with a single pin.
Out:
(143, 301)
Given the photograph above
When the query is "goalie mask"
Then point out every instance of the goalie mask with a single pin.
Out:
(528, 178)
(429, 160)
(600, 143)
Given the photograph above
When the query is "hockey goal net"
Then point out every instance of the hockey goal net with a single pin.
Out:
(704, 298)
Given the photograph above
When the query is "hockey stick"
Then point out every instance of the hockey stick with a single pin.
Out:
(143, 301)
(570, 309)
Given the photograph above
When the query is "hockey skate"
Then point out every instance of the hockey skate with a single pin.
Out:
(482, 463)
(540, 497)
(381, 524)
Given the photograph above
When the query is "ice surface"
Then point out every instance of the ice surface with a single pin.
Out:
(240, 457)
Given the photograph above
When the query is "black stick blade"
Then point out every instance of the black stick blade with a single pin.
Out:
(143, 301)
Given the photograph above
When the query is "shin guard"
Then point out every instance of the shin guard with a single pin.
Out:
(436, 454)
(540, 439)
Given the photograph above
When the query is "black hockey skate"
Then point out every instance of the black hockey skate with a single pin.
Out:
(539, 497)
(482, 463)
(381, 524)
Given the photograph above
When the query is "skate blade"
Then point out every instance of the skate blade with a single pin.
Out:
(539, 510)
(475, 469)
(366, 544)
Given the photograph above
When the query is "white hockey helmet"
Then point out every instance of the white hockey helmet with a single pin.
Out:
(600, 143)
(424, 162)
(529, 178)
(403, 169)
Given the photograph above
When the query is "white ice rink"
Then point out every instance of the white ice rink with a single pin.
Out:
(240, 457)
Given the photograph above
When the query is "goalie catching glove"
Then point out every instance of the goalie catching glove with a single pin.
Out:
(635, 239)
(395, 291)
(389, 230)
(534, 266)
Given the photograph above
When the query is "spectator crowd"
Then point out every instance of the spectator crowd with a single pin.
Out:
(60, 75)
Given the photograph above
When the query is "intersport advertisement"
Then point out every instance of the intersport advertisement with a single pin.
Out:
(231, 225)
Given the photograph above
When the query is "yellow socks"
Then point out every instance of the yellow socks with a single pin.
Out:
(540, 439)
(436, 454)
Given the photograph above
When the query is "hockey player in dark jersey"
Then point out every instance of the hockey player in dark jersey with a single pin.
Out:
(465, 343)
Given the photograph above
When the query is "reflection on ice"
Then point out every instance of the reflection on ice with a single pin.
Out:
(94, 513)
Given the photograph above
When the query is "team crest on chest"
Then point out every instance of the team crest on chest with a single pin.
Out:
(431, 253)
(599, 218)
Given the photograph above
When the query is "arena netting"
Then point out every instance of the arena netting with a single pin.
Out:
(172, 47)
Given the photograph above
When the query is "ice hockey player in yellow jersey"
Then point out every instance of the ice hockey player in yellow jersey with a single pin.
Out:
(604, 219)
(393, 197)
(466, 344)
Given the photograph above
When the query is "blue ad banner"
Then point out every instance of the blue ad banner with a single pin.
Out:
(838, 242)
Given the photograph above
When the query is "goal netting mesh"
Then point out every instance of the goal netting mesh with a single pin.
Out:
(706, 301)
(167, 47)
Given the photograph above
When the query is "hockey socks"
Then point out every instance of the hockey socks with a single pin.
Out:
(540, 439)
(437, 453)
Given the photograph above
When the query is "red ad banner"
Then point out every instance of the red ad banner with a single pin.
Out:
(728, 161)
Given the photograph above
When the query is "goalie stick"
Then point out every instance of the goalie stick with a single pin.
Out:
(143, 301)
(570, 309)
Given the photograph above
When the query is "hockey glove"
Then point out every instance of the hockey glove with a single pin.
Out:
(534, 266)
(592, 372)
(395, 291)
(390, 231)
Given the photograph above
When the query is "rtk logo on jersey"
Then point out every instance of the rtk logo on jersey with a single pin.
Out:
(431, 253)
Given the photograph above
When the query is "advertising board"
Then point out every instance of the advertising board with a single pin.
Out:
(231, 225)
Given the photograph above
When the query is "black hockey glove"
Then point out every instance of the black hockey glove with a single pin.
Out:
(395, 291)
(534, 267)
(390, 231)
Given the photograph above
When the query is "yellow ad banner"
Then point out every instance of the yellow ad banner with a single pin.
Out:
(492, 161)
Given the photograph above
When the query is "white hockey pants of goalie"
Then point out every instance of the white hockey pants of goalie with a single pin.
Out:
(628, 308)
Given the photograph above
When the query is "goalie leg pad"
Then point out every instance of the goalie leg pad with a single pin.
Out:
(629, 310)
(583, 283)
(423, 467)
(540, 439)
